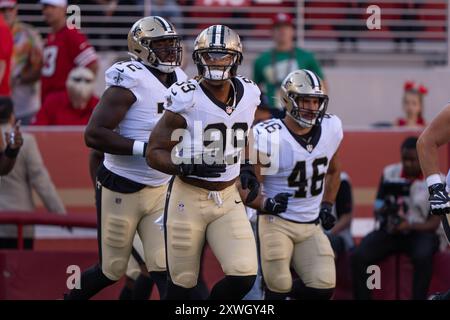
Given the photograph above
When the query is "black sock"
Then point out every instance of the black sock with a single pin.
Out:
(176, 292)
(200, 291)
(160, 279)
(125, 293)
(232, 288)
(301, 292)
(143, 287)
(92, 281)
(271, 295)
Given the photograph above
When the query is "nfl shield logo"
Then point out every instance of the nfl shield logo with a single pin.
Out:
(180, 207)
(229, 109)
(309, 147)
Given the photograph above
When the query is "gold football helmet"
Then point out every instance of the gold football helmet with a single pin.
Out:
(301, 85)
(155, 42)
(217, 53)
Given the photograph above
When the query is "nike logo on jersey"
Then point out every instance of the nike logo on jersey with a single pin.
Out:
(173, 92)
(237, 201)
(120, 70)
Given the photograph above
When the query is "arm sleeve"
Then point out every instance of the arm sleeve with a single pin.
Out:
(40, 179)
(344, 199)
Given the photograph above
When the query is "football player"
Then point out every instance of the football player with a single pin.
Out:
(130, 195)
(213, 114)
(300, 192)
(434, 136)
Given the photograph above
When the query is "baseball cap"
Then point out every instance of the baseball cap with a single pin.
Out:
(282, 18)
(8, 3)
(56, 3)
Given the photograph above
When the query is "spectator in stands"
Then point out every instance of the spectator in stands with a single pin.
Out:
(73, 106)
(64, 49)
(26, 64)
(413, 106)
(355, 8)
(271, 67)
(404, 225)
(29, 173)
(409, 23)
(340, 235)
(10, 139)
(166, 8)
(6, 51)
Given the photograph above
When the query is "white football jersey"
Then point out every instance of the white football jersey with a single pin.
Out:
(214, 130)
(301, 165)
(140, 119)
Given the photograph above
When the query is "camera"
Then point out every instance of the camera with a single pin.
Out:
(392, 193)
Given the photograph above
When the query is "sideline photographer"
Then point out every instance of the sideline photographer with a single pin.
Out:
(403, 225)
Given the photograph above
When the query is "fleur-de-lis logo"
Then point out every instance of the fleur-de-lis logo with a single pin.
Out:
(118, 79)
(137, 31)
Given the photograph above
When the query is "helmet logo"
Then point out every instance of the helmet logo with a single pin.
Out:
(136, 32)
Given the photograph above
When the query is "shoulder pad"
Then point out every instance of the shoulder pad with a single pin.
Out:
(246, 80)
(124, 74)
(180, 96)
(269, 126)
(264, 140)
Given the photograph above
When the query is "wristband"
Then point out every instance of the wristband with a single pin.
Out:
(139, 148)
(433, 179)
(11, 153)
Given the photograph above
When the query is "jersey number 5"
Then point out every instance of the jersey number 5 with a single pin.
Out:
(298, 178)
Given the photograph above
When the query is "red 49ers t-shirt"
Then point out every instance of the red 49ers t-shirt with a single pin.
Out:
(64, 50)
(6, 51)
(58, 110)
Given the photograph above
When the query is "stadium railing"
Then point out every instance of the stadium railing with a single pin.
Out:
(321, 25)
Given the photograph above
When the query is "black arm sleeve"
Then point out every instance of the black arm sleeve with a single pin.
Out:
(344, 199)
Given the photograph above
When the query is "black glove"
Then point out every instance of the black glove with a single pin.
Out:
(439, 199)
(201, 170)
(326, 215)
(277, 204)
(249, 181)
